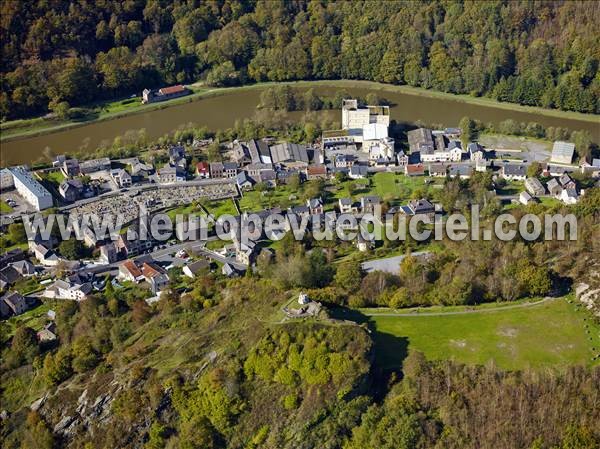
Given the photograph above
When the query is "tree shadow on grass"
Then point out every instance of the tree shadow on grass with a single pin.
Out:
(389, 351)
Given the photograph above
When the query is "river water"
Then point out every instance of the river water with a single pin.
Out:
(220, 112)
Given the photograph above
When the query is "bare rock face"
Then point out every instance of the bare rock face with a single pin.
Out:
(588, 292)
(36, 405)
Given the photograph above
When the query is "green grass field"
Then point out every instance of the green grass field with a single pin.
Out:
(392, 187)
(548, 335)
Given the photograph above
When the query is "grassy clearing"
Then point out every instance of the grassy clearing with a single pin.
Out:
(55, 177)
(254, 200)
(552, 334)
(392, 187)
(222, 207)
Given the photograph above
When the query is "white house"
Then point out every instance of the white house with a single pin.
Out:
(525, 198)
(569, 196)
(68, 290)
(121, 177)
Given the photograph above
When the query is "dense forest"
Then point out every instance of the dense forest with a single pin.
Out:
(58, 54)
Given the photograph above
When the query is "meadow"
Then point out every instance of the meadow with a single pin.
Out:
(553, 334)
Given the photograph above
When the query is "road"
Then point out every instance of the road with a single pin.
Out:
(165, 255)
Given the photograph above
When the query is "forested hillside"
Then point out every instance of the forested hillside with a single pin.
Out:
(63, 53)
(214, 369)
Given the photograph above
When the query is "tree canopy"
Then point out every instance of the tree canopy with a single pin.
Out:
(58, 55)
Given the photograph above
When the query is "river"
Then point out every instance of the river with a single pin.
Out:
(221, 111)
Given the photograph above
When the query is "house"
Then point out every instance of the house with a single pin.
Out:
(23, 267)
(177, 156)
(259, 152)
(44, 255)
(155, 276)
(346, 205)
(268, 177)
(566, 182)
(244, 251)
(414, 170)
(422, 207)
(513, 172)
(437, 170)
(453, 152)
(402, 159)
(108, 253)
(534, 187)
(129, 271)
(94, 165)
(592, 169)
(363, 244)
(217, 170)
(70, 168)
(164, 93)
(569, 196)
(48, 333)
(254, 170)
(368, 203)
(243, 181)
(68, 289)
(556, 170)
(8, 276)
(460, 171)
(380, 148)
(475, 151)
(13, 303)
(525, 198)
(229, 271)
(170, 175)
(358, 172)
(129, 244)
(420, 141)
(316, 172)
(345, 160)
(12, 255)
(121, 178)
(192, 269)
(140, 170)
(315, 205)
(70, 189)
(562, 152)
(230, 169)
(6, 179)
(202, 170)
(240, 153)
(554, 187)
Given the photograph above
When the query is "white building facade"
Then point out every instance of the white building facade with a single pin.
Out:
(30, 189)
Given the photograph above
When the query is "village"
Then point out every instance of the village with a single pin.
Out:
(360, 154)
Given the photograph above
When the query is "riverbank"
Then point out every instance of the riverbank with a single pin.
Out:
(115, 109)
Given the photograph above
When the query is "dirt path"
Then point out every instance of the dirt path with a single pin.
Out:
(460, 312)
